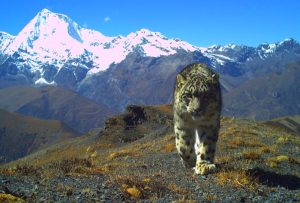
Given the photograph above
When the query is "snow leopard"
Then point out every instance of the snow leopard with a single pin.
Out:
(197, 108)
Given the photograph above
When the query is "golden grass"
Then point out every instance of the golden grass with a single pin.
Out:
(242, 142)
(168, 147)
(62, 154)
(211, 197)
(10, 198)
(99, 146)
(285, 138)
(137, 188)
(127, 164)
(134, 192)
(164, 108)
(109, 168)
(175, 188)
(236, 178)
(142, 146)
(251, 154)
(225, 159)
(273, 162)
(7, 171)
(123, 153)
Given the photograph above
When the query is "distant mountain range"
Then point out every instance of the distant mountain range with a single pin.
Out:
(53, 50)
(272, 95)
(55, 103)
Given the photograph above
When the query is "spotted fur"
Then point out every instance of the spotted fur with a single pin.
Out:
(197, 107)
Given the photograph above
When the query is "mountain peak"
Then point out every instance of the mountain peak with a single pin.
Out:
(6, 35)
(45, 11)
(289, 41)
(49, 25)
(54, 38)
(144, 31)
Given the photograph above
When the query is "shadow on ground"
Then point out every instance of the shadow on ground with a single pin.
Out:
(273, 179)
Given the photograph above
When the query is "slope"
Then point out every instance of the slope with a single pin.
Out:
(55, 103)
(291, 123)
(272, 95)
(21, 135)
(134, 159)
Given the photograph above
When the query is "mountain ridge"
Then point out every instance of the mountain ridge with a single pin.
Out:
(140, 67)
(55, 103)
(52, 39)
(90, 43)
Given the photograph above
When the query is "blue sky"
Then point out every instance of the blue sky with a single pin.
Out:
(199, 22)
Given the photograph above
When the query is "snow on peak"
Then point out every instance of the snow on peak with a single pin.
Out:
(54, 38)
(145, 31)
(43, 82)
(147, 43)
(5, 40)
(265, 49)
(49, 35)
(287, 41)
(154, 44)
(219, 48)
(5, 34)
(45, 11)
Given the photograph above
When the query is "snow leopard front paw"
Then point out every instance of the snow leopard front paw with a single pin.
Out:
(204, 168)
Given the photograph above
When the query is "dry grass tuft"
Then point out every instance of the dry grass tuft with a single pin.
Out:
(99, 146)
(72, 165)
(169, 147)
(251, 154)
(285, 138)
(242, 142)
(8, 171)
(175, 188)
(236, 178)
(122, 153)
(61, 154)
(141, 188)
(10, 198)
(27, 170)
(134, 192)
(109, 168)
(274, 161)
(211, 197)
(165, 108)
(225, 159)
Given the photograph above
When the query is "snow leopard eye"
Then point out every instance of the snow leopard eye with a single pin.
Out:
(186, 98)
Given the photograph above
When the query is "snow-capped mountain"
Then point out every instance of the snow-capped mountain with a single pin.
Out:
(52, 49)
(141, 68)
(5, 40)
(232, 53)
(55, 39)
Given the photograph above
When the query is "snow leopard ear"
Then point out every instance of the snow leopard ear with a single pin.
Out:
(180, 80)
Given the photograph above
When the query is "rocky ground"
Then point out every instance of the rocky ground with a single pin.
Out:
(60, 189)
(133, 159)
